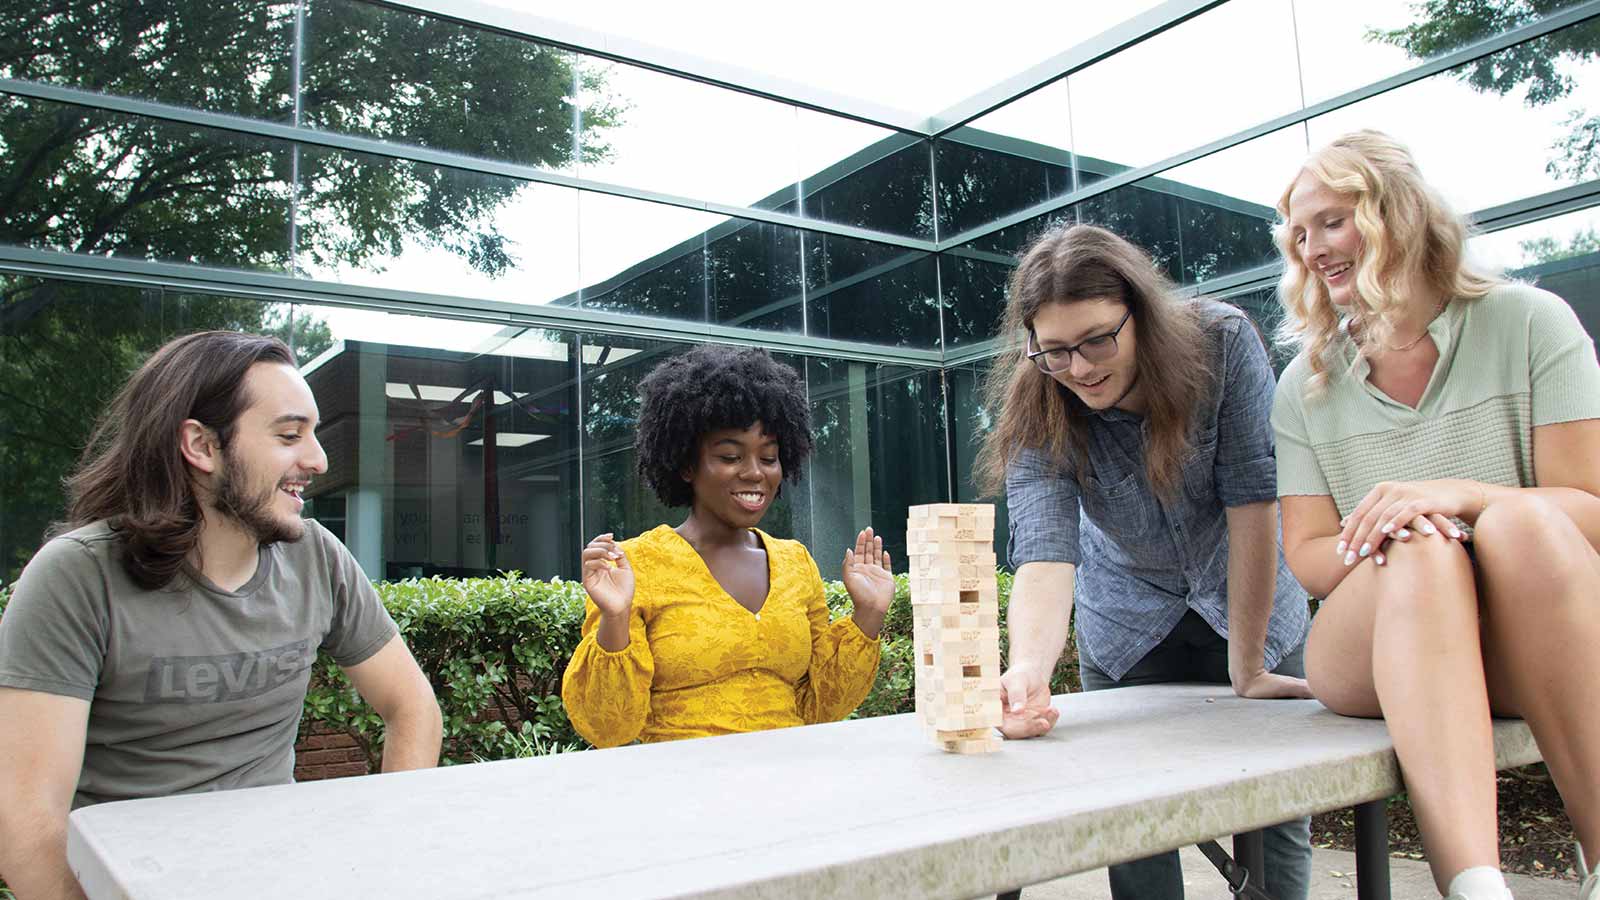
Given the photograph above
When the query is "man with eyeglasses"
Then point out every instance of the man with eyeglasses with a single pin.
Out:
(1134, 443)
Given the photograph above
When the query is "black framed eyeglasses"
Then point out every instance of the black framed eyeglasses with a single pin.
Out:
(1097, 349)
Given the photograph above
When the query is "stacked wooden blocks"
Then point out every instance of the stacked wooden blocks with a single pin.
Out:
(956, 607)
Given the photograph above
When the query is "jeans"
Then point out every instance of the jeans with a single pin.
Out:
(1193, 652)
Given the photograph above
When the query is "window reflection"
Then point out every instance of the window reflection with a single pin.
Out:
(105, 184)
(408, 77)
(232, 56)
(66, 347)
(451, 445)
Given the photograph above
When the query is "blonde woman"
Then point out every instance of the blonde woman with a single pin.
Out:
(1439, 471)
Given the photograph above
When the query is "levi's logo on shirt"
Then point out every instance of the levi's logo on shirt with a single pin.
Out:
(225, 677)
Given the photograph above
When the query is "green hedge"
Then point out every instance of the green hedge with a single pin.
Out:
(495, 650)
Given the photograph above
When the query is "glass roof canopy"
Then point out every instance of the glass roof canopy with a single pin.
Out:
(921, 60)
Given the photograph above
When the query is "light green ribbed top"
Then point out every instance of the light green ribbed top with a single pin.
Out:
(1510, 361)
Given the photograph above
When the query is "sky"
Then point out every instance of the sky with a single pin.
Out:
(1215, 75)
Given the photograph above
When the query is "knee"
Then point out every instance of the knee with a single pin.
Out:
(1428, 584)
(1524, 528)
(1423, 561)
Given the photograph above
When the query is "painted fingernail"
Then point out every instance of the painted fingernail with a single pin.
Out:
(1379, 559)
(1349, 558)
(1455, 533)
(1402, 534)
(1339, 551)
(1365, 549)
(1429, 529)
(1387, 527)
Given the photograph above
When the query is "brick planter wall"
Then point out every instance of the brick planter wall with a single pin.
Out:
(324, 753)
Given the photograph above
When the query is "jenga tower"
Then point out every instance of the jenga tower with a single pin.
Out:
(956, 605)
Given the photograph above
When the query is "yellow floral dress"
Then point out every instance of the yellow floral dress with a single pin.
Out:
(698, 663)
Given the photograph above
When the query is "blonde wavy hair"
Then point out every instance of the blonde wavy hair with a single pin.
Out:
(1411, 240)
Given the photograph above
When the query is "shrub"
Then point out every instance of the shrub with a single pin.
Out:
(494, 650)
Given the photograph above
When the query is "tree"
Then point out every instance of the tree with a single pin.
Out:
(1446, 25)
(1548, 249)
(91, 182)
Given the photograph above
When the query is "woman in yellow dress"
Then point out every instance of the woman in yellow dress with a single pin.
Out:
(715, 627)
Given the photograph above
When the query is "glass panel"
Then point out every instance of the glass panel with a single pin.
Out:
(403, 76)
(470, 468)
(104, 184)
(232, 56)
(50, 399)
(970, 421)
(657, 260)
(973, 279)
(677, 136)
(885, 54)
(1560, 254)
(884, 187)
(411, 226)
(1146, 213)
(880, 450)
(1008, 160)
(1226, 203)
(616, 498)
(1537, 137)
(984, 177)
(861, 291)
(1347, 44)
(863, 175)
(1214, 75)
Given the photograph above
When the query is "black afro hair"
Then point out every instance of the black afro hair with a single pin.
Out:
(709, 388)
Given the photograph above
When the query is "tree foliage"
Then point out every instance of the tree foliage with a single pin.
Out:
(1538, 67)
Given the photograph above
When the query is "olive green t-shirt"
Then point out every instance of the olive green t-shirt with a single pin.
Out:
(190, 687)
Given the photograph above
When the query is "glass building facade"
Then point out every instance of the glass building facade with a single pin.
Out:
(479, 230)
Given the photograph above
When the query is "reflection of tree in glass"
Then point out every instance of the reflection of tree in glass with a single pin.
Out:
(1548, 249)
(97, 183)
(1446, 25)
(65, 347)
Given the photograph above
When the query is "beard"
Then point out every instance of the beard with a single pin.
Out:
(253, 511)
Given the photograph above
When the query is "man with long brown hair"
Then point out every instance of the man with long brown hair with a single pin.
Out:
(164, 644)
(1134, 445)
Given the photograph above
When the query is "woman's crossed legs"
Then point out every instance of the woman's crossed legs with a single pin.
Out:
(1432, 642)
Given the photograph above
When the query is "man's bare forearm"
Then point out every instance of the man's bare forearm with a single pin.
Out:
(412, 739)
(33, 858)
(1038, 613)
(1252, 582)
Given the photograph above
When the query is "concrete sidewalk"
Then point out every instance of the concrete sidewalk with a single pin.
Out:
(1332, 878)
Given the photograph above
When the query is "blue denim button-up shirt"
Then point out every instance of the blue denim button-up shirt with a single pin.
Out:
(1144, 561)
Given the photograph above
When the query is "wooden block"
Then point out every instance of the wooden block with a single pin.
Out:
(950, 530)
(981, 745)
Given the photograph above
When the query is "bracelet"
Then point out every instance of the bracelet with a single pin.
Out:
(1483, 501)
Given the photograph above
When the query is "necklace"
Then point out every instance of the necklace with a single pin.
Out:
(1439, 308)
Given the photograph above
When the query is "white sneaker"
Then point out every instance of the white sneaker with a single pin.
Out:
(1591, 880)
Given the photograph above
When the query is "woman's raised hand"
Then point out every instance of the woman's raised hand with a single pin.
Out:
(607, 576)
(868, 579)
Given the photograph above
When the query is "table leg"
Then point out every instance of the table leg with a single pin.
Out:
(1250, 853)
(1372, 850)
